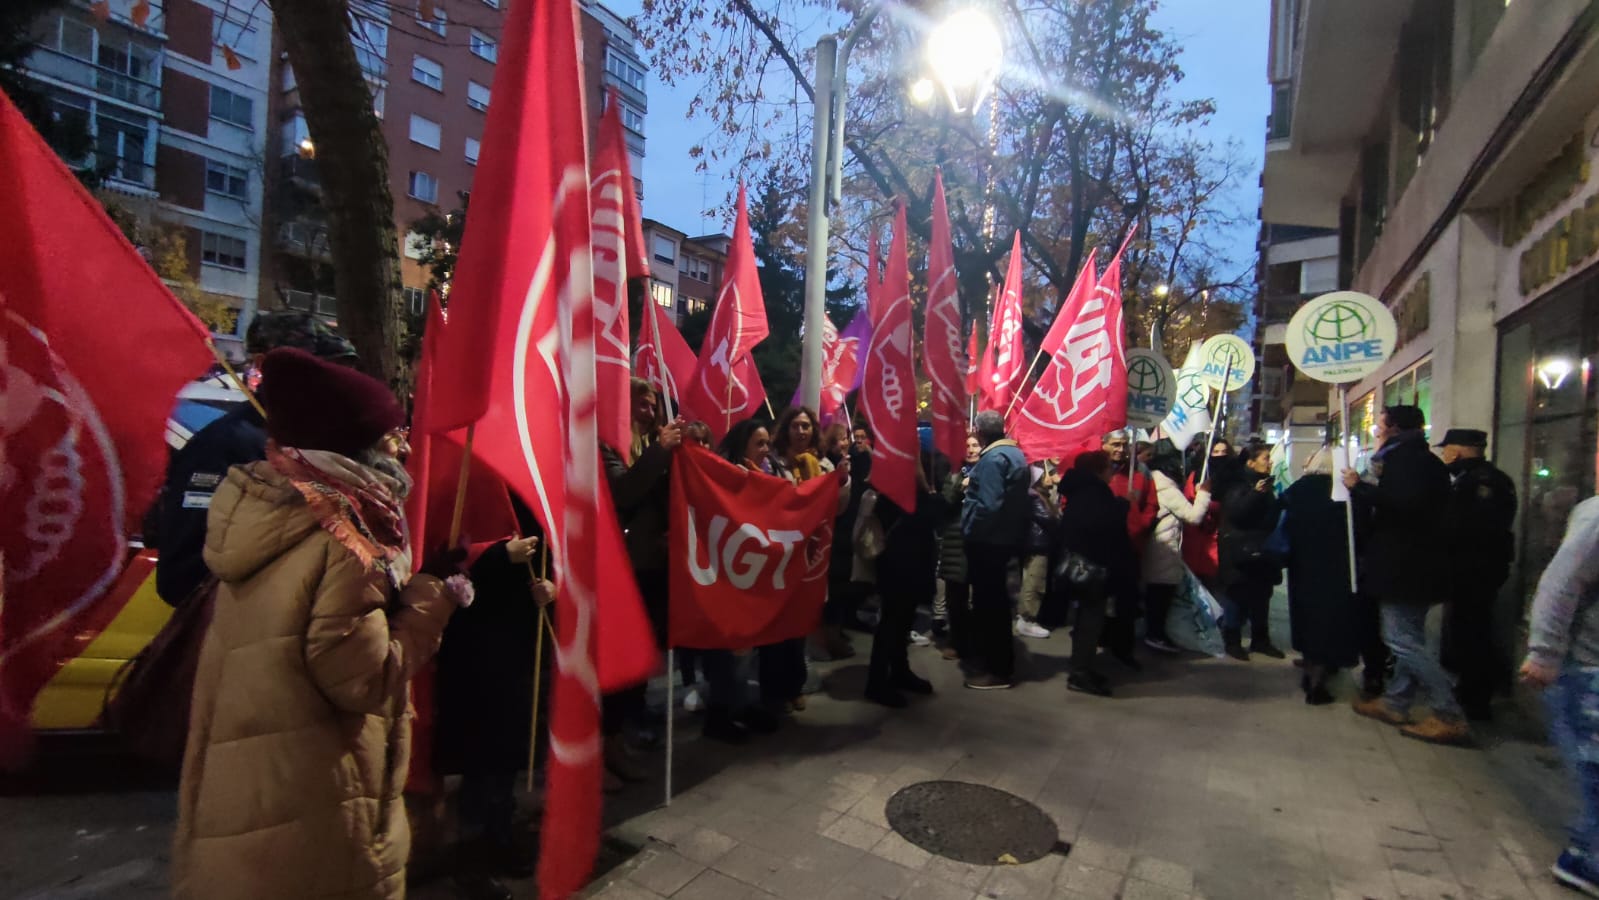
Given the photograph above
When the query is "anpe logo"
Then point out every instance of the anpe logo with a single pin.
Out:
(1341, 337)
(1151, 388)
(1191, 391)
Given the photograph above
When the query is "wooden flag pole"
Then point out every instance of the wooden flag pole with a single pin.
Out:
(1349, 505)
(538, 661)
(460, 487)
(1215, 423)
(234, 375)
(671, 718)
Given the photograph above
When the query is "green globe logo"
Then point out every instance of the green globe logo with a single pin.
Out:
(1224, 357)
(1192, 392)
(1339, 322)
(1144, 377)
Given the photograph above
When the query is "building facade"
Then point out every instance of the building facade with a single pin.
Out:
(1451, 145)
(1297, 263)
(685, 272)
(178, 126)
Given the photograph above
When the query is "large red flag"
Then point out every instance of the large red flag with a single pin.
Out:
(93, 349)
(888, 395)
(721, 392)
(1082, 392)
(942, 358)
(840, 366)
(518, 362)
(974, 382)
(749, 553)
(663, 358)
(617, 255)
(1003, 366)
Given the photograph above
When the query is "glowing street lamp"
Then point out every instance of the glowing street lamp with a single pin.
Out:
(964, 53)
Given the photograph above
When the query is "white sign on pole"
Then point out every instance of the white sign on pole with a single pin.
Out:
(1229, 362)
(1340, 462)
(1151, 388)
(1341, 337)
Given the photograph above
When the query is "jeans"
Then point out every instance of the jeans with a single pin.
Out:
(991, 609)
(1573, 703)
(1404, 630)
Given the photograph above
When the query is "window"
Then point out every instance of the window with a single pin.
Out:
(492, 4)
(1413, 387)
(662, 292)
(483, 46)
(695, 267)
(415, 300)
(472, 148)
(665, 249)
(230, 181)
(624, 70)
(424, 187)
(289, 83)
(77, 39)
(371, 40)
(231, 108)
(694, 305)
(632, 118)
(379, 94)
(427, 73)
(221, 250)
(477, 96)
(425, 131)
(414, 245)
(438, 24)
(296, 135)
(130, 59)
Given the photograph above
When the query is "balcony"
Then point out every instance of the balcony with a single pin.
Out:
(127, 173)
(301, 171)
(304, 240)
(321, 304)
(85, 74)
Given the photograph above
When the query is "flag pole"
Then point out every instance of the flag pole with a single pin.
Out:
(769, 409)
(671, 718)
(538, 661)
(234, 375)
(1349, 505)
(460, 487)
(1215, 423)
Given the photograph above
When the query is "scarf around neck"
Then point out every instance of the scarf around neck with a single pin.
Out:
(359, 505)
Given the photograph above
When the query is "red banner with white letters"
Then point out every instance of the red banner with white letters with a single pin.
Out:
(749, 553)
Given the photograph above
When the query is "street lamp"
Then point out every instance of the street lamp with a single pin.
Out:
(964, 54)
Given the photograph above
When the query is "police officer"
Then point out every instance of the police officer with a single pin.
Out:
(236, 438)
(1481, 547)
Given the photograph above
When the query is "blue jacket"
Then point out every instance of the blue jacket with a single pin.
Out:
(998, 510)
(193, 475)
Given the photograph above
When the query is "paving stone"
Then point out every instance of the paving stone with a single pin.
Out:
(898, 850)
(855, 832)
(1165, 873)
(704, 845)
(664, 871)
(713, 885)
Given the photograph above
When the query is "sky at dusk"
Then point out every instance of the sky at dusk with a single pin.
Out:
(1223, 55)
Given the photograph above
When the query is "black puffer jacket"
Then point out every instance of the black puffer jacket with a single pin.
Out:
(1093, 524)
(1409, 505)
(1248, 517)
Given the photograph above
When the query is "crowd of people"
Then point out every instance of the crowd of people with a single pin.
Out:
(286, 525)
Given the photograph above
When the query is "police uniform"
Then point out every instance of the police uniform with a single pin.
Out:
(1481, 548)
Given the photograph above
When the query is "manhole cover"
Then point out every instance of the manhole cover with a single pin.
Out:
(971, 823)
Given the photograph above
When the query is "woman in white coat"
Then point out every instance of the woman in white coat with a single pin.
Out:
(1163, 557)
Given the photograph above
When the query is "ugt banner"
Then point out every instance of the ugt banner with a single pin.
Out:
(749, 553)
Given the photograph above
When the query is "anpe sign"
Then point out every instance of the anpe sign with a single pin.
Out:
(1341, 337)
(1151, 388)
(1228, 362)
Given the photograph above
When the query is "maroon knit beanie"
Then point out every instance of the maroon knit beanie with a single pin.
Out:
(316, 405)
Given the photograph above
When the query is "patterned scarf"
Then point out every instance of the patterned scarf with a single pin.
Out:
(358, 504)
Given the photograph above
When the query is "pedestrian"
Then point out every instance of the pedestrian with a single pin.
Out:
(835, 442)
(1404, 564)
(952, 569)
(1134, 486)
(299, 738)
(907, 580)
(1044, 522)
(1096, 560)
(1563, 660)
(1482, 511)
(1322, 607)
(1248, 570)
(1199, 541)
(1163, 557)
(994, 521)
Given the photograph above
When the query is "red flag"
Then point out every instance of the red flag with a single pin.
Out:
(888, 396)
(841, 362)
(974, 383)
(1003, 366)
(616, 260)
(1083, 390)
(749, 553)
(874, 269)
(722, 392)
(93, 349)
(518, 362)
(941, 344)
(663, 358)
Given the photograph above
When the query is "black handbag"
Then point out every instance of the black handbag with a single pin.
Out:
(1079, 571)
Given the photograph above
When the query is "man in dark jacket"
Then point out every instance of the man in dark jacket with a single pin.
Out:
(1091, 528)
(995, 516)
(1403, 566)
(237, 438)
(1482, 510)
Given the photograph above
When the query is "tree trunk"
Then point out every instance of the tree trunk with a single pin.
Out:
(353, 168)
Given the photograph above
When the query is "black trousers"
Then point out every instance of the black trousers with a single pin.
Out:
(1248, 600)
(890, 643)
(1468, 642)
(721, 677)
(780, 669)
(992, 644)
(958, 606)
(1157, 609)
(488, 806)
(1090, 627)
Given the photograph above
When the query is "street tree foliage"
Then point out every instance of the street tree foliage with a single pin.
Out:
(1082, 139)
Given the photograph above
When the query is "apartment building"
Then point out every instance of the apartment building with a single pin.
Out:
(1450, 145)
(179, 125)
(431, 71)
(1297, 263)
(685, 272)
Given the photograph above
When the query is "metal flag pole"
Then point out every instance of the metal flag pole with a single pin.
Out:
(1349, 505)
(671, 718)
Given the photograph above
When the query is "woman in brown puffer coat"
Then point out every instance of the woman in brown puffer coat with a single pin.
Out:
(299, 736)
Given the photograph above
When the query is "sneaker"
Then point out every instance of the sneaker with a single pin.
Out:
(1162, 645)
(1378, 708)
(1574, 871)
(1030, 629)
(1433, 730)
(919, 639)
(1267, 648)
(692, 701)
(987, 682)
(1087, 683)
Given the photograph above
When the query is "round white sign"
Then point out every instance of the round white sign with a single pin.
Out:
(1340, 337)
(1227, 362)
(1151, 388)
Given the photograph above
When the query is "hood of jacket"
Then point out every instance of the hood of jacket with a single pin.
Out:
(1075, 481)
(256, 515)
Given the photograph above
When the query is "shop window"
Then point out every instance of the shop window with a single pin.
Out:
(1412, 387)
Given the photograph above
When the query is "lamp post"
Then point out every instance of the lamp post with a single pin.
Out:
(964, 55)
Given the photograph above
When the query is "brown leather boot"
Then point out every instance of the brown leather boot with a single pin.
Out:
(1378, 708)
(1433, 730)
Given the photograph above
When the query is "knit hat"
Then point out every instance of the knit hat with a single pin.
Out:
(313, 404)
(291, 328)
